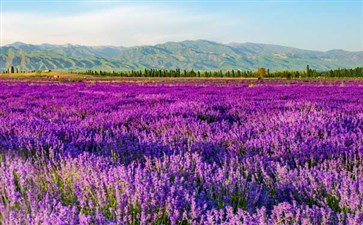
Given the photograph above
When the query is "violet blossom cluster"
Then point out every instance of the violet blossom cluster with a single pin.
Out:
(120, 153)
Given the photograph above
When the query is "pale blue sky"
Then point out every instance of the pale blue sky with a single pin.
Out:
(316, 25)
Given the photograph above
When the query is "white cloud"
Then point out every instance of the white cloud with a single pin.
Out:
(127, 26)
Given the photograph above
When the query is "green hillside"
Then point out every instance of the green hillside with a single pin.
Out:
(198, 55)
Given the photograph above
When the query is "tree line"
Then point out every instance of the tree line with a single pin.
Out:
(260, 73)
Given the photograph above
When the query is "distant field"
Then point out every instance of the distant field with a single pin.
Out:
(74, 77)
(194, 152)
(64, 77)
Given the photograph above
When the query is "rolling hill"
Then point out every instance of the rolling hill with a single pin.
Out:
(198, 55)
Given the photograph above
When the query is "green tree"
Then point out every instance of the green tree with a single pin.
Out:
(261, 73)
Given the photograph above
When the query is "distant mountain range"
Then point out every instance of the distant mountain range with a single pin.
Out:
(197, 55)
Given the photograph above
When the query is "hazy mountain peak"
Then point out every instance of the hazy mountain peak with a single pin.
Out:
(188, 54)
(17, 44)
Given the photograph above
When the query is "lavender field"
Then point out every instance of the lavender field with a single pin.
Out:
(186, 153)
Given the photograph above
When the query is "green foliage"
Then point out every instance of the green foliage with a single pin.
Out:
(260, 73)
